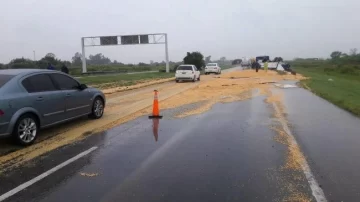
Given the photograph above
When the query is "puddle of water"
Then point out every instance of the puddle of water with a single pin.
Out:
(285, 85)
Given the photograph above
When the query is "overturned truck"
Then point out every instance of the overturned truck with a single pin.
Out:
(276, 64)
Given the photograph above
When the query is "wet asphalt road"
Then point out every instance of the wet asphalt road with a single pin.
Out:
(225, 154)
(330, 139)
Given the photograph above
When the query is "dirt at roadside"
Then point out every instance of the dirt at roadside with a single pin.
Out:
(140, 84)
(228, 87)
(235, 86)
(292, 176)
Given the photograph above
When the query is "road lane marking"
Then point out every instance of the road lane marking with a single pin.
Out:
(317, 192)
(45, 174)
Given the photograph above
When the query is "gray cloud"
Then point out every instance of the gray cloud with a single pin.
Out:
(231, 28)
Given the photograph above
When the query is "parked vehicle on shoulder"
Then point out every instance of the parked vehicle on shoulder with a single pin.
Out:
(33, 99)
(212, 68)
(187, 72)
(245, 62)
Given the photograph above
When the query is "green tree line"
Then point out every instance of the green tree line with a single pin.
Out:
(99, 62)
(340, 62)
(96, 60)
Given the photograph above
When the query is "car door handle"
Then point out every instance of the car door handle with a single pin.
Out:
(39, 99)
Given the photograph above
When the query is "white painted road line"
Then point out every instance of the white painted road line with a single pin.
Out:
(45, 174)
(317, 192)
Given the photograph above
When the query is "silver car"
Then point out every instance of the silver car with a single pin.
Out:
(32, 99)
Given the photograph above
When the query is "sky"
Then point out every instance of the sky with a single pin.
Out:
(230, 28)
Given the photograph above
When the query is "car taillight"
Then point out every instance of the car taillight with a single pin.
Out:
(1, 112)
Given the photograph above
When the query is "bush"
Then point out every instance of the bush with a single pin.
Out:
(23, 65)
(329, 69)
(348, 70)
(195, 58)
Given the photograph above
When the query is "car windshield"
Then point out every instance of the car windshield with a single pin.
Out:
(211, 65)
(4, 79)
(184, 68)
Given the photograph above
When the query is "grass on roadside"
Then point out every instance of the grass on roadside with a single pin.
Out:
(76, 70)
(341, 89)
(118, 80)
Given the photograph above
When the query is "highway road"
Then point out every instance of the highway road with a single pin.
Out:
(277, 144)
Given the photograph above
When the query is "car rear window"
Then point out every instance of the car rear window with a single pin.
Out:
(211, 65)
(38, 83)
(4, 79)
(185, 68)
(65, 82)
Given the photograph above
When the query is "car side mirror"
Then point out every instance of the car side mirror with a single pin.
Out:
(82, 86)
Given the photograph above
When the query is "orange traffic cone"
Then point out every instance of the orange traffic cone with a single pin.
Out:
(156, 114)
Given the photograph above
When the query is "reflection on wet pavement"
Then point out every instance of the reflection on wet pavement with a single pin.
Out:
(329, 138)
(122, 107)
(225, 154)
(156, 123)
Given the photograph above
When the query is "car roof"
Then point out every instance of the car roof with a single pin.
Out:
(22, 71)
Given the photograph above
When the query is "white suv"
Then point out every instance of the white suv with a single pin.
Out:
(187, 72)
(212, 68)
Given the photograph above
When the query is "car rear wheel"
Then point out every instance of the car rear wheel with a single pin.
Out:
(26, 129)
(97, 110)
(177, 81)
(198, 78)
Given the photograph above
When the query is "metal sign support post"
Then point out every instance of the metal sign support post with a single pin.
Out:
(83, 58)
(167, 54)
(137, 39)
